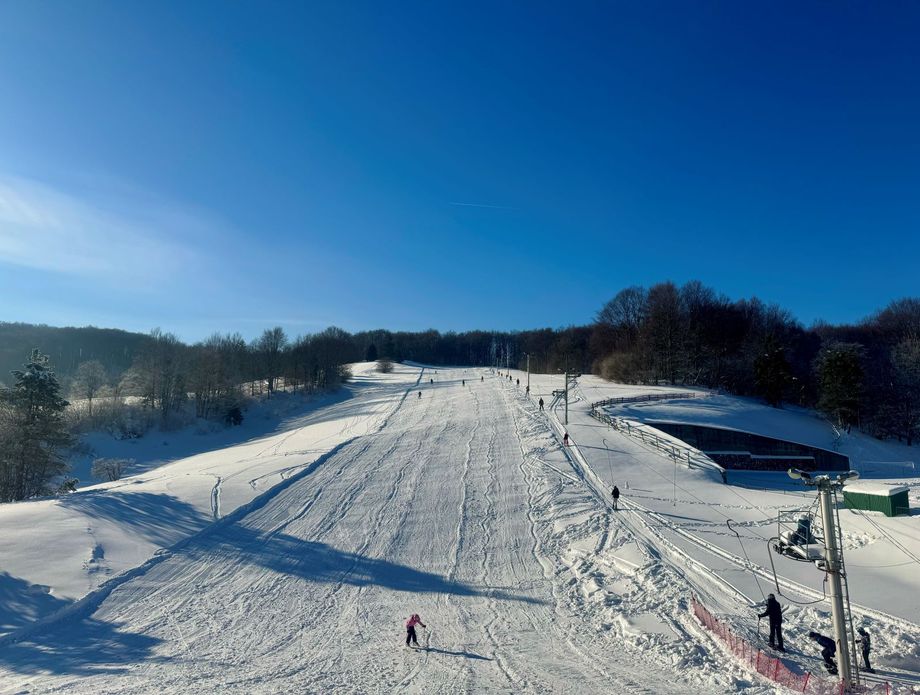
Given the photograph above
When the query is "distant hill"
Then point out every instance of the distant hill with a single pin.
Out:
(67, 347)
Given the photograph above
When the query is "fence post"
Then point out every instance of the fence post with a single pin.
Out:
(805, 684)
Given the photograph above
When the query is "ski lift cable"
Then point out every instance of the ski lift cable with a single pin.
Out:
(731, 488)
(700, 500)
(897, 544)
(780, 591)
(747, 560)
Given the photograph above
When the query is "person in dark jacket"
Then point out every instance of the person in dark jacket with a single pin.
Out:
(866, 645)
(541, 404)
(616, 497)
(828, 650)
(775, 614)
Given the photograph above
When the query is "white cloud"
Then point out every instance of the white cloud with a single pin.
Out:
(136, 239)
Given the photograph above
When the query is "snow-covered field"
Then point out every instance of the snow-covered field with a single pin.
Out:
(290, 561)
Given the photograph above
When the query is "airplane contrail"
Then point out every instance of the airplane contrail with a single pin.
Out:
(482, 205)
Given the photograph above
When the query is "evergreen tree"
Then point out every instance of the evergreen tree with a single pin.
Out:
(771, 372)
(905, 358)
(33, 433)
(371, 354)
(840, 378)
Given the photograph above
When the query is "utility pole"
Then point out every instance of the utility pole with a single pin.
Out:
(528, 372)
(833, 565)
(566, 397)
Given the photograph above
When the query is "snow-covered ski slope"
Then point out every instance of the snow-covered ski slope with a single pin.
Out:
(461, 505)
(54, 551)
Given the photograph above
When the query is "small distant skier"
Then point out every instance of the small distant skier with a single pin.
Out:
(616, 497)
(541, 404)
(431, 381)
(419, 394)
(410, 629)
(463, 381)
(565, 439)
(482, 378)
(775, 613)
(527, 390)
(828, 650)
(866, 645)
(518, 382)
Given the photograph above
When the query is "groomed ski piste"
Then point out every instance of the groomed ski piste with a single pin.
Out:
(290, 562)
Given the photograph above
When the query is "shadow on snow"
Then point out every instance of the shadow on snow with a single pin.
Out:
(317, 562)
(157, 517)
(22, 603)
(468, 655)
(82, 647)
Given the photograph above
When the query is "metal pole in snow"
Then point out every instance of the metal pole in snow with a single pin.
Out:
(566, 396)
(528, 372)
(832, 566)
(674, 504)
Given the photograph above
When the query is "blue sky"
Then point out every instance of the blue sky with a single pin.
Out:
(231, 166)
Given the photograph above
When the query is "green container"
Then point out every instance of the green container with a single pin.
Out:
(891, 500)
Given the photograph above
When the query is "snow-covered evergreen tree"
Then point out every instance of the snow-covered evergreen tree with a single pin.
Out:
(32, 431)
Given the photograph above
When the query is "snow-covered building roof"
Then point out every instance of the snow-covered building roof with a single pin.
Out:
(871, 488)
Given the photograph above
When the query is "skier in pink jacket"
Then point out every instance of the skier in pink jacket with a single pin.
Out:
(410, 628)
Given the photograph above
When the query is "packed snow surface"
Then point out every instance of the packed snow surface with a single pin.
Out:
(290, 562)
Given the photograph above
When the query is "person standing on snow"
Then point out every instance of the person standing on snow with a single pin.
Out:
(565, 439)
(616, 497)
(866, 644)
(828, 650)
(419, 394)
(541, 404)
(410, 629)
(775, 613)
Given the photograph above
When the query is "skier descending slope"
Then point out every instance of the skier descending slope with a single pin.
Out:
(410, 629)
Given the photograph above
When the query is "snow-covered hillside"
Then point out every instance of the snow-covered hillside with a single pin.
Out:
(290, 562)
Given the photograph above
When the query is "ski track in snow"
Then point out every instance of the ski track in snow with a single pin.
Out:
(461, 506)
